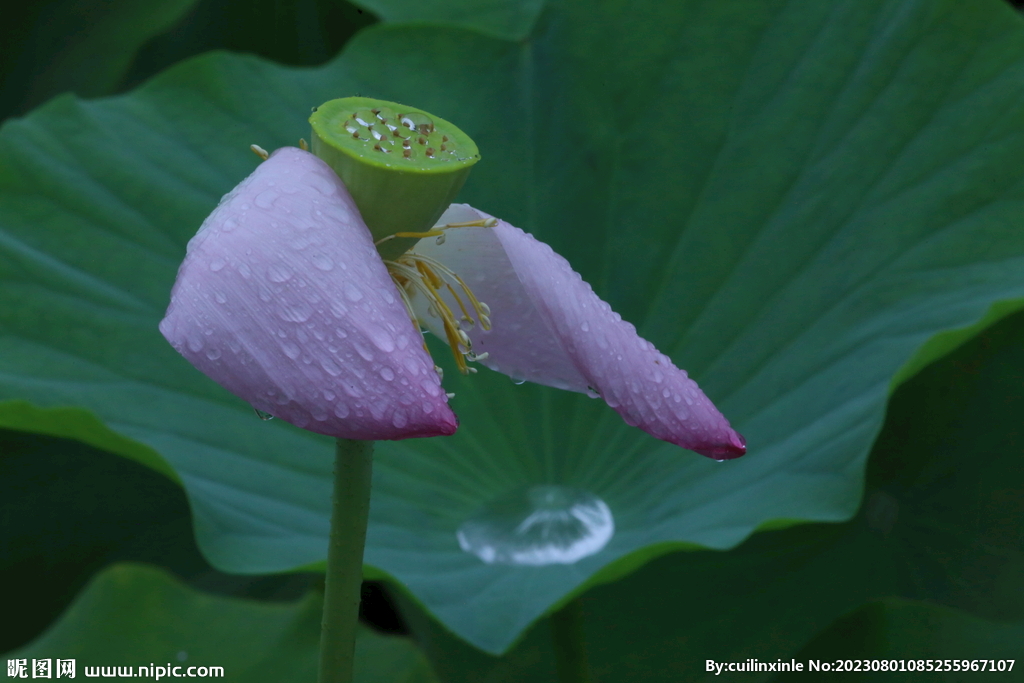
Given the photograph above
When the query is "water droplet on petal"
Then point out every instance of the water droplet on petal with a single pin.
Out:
(244, 271)
(322, 261)
(517, 380)
(538, 526)
(220, 298)
(290, 350)
(388, 375)
(330, 367)
(585, 326)
(399, 419)
(352, 292)
(216, 264)
(262, 415)
(382, 339)
(341, 410)
(362, 351)
(213, 353)
(266, 199)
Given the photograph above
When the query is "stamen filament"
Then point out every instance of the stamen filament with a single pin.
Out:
(429, 276)
(456, 337)
(482, 223)
(483, 311)
(418, 235)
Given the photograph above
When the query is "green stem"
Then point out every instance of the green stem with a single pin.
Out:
(570, 649)
(350, 510)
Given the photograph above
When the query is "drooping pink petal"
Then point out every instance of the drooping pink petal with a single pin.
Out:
(283, 300)
(549, 327)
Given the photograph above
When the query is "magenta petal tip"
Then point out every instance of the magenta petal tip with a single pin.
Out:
(548, 326)
(734, 448)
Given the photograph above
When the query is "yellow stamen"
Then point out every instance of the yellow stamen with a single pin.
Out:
(420, 278)
(417, 235)
(482, 310)
(482, 223)
(430, 277)
(260, 152)
(438, 231)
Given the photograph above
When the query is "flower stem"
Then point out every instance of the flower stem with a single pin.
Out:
(350, 510)
(570, 649)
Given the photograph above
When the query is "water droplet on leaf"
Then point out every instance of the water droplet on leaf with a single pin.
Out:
(538, 526)
(262, 415)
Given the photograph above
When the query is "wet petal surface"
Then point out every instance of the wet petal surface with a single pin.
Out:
(549, 327)
(283, 300)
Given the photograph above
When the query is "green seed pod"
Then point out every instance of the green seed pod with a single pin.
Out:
(402, 165)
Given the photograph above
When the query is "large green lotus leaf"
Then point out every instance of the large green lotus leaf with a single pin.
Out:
(69, 510)
(84, 46)
(508, 19)
(134, 615)
(789, 199)
(931, 566)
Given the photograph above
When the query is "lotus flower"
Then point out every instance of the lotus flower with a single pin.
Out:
(284, 300)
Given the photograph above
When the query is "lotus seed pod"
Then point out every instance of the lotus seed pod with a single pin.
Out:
(402, 166)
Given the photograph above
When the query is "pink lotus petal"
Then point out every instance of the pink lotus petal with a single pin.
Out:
(549, 327)
(283, 300)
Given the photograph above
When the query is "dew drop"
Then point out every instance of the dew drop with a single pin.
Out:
(213, 353)
(388, 374)
(323, 262)
(352, 292)
(219, 297)
(290, 350)
(538, 526)
(399, 419)
(266, 199)
(341, 410)
(382, 339)
(418, 122)
(262, 415)
(585, 326)
(330, 367)
(364, 352)
(216, 264)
